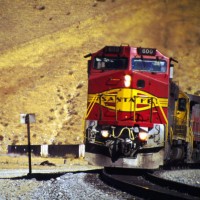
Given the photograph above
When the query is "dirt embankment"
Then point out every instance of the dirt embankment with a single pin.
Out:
(42, 44)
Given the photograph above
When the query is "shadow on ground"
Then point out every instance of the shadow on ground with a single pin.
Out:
(48, 176)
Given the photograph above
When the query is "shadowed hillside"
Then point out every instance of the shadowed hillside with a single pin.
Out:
(42, 44)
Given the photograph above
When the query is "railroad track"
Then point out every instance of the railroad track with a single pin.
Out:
(143, 183)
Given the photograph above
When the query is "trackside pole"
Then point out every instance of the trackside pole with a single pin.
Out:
(27, 119)
(29, 142)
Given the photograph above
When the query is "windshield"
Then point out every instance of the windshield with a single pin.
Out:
(149, 65)
(108, 63)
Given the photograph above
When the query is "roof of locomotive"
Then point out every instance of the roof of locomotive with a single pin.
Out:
(140, 51)
(194, 98)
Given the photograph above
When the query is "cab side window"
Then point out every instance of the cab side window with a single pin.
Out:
(182, 104)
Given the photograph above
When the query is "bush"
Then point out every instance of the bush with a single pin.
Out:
(1, 137)
(80, 85)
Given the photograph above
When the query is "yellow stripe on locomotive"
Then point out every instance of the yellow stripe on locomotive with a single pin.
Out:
(127, 100)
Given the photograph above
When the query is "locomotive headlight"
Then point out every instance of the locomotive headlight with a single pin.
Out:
(105, 133)
(143, 136)
(127, 80)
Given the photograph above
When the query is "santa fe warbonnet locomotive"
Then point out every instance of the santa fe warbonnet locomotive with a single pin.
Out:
(137, 117)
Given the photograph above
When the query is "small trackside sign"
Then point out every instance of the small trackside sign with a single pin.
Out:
(25, 117)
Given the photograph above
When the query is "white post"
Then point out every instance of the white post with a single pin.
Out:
(44, 150)
(81, 150)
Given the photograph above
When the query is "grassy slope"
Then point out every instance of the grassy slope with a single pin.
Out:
(42, 69)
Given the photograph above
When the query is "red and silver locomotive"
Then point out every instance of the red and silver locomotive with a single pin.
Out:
(137, 117)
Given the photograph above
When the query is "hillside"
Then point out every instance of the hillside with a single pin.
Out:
(42, 69)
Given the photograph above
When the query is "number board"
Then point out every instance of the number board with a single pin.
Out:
(146, 51)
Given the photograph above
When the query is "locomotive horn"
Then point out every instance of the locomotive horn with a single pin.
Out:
(172, 59)
(88, 55)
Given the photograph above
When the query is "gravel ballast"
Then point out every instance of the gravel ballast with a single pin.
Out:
(81, 185)
(15, 185)
(189, 177)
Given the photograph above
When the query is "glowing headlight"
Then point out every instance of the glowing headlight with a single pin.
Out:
(127, 80)
(105, 133)
(143, 136)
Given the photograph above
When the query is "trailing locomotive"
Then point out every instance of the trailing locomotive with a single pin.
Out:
(137, 117)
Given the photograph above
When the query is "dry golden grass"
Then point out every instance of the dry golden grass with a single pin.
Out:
(22, 162)
(42, 69)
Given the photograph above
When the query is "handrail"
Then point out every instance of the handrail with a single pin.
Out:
(96, 96)
(115, 95)
(162, 111)
(151, 106)
(91, 105)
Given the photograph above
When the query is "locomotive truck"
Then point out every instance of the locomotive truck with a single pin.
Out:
(137, 116)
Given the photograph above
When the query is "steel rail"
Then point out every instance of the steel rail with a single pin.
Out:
(181, 187)
(136, 184)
